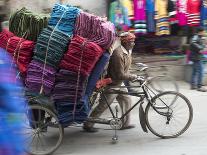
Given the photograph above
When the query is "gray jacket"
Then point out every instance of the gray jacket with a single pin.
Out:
(196, 48)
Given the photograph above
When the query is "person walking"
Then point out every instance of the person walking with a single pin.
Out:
(196, 47)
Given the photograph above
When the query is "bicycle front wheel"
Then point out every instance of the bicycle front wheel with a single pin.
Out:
(162, 83)
(169, 114)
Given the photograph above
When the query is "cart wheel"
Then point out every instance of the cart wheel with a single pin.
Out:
(40, 136)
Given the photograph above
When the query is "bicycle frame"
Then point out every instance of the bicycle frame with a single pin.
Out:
(144, 94)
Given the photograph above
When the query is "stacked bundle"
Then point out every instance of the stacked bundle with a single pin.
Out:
(5, 35)
(26, 24)
(69, 88)
(95, 29)
(64, 17)
(40, 77)
(21, 49)
(51, 46)
(81, 56)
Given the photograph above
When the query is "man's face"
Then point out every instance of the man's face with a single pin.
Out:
(201, 33)
(129, 45)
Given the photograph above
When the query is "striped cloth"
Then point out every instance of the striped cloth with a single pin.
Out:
(51, 46)
(81, 56)
(64, 17)
(19, 48)
(69, 88)
(95, 29)
(40, 78)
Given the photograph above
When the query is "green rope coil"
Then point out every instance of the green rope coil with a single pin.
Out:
(27, 24)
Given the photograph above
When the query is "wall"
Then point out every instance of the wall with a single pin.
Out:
(97, 7)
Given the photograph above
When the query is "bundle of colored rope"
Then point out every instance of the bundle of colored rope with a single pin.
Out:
(40, 78)
(19, 48)
(69, 88)
(5, 35)
(95, 29)
(26, 24)
(81, 56)
(64, 17)
(51, 46)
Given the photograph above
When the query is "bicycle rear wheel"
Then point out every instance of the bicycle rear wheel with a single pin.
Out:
(42, 132)
(169, 115)
(162, 83)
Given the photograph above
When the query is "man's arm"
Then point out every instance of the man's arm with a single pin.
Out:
(117, 62)
(196, 45)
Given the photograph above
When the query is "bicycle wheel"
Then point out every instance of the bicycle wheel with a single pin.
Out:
(42, 132)
(162, 83)
(167, 117)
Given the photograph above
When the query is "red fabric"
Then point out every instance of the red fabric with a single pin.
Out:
(193, 12)
(103, 83)
(90, 52)
(19, 48)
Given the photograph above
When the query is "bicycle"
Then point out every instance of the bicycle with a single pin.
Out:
(159, 117)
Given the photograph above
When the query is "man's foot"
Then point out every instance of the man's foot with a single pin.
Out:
(193, 87)
(90, 129)
(202, 89)
(128, 127)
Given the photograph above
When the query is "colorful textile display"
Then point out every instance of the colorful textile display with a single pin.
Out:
(19, 48)
(140, 16)
(63, 18)
(40, 78)
(51, 46)
(204, 13)
(161, 16)
(193, 12)
(95, 29)
(130, 8)
(150, 8)
(82, 56)
(118, 14)
(181, 14)
(69, 89)
(26, 24)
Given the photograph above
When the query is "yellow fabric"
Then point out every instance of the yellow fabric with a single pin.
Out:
(161, 8)
(129, 5)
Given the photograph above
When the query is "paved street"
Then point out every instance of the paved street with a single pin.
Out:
(136, 142)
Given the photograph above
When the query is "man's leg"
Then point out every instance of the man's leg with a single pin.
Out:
(193, 77)
(200, 77)
(125, 104)
(100, 108)
(200, 74)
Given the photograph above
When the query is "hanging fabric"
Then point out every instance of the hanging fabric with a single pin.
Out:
(150, 11)
(193, 12)
(130, 8)
(161, 16)
(140, 17)
(204, 13)
(118, 15)
(171, 8)
(181, 14)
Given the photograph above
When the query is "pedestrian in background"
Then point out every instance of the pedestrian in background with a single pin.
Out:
(196, 47)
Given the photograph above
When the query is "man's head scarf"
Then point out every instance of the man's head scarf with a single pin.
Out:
(126, 37)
